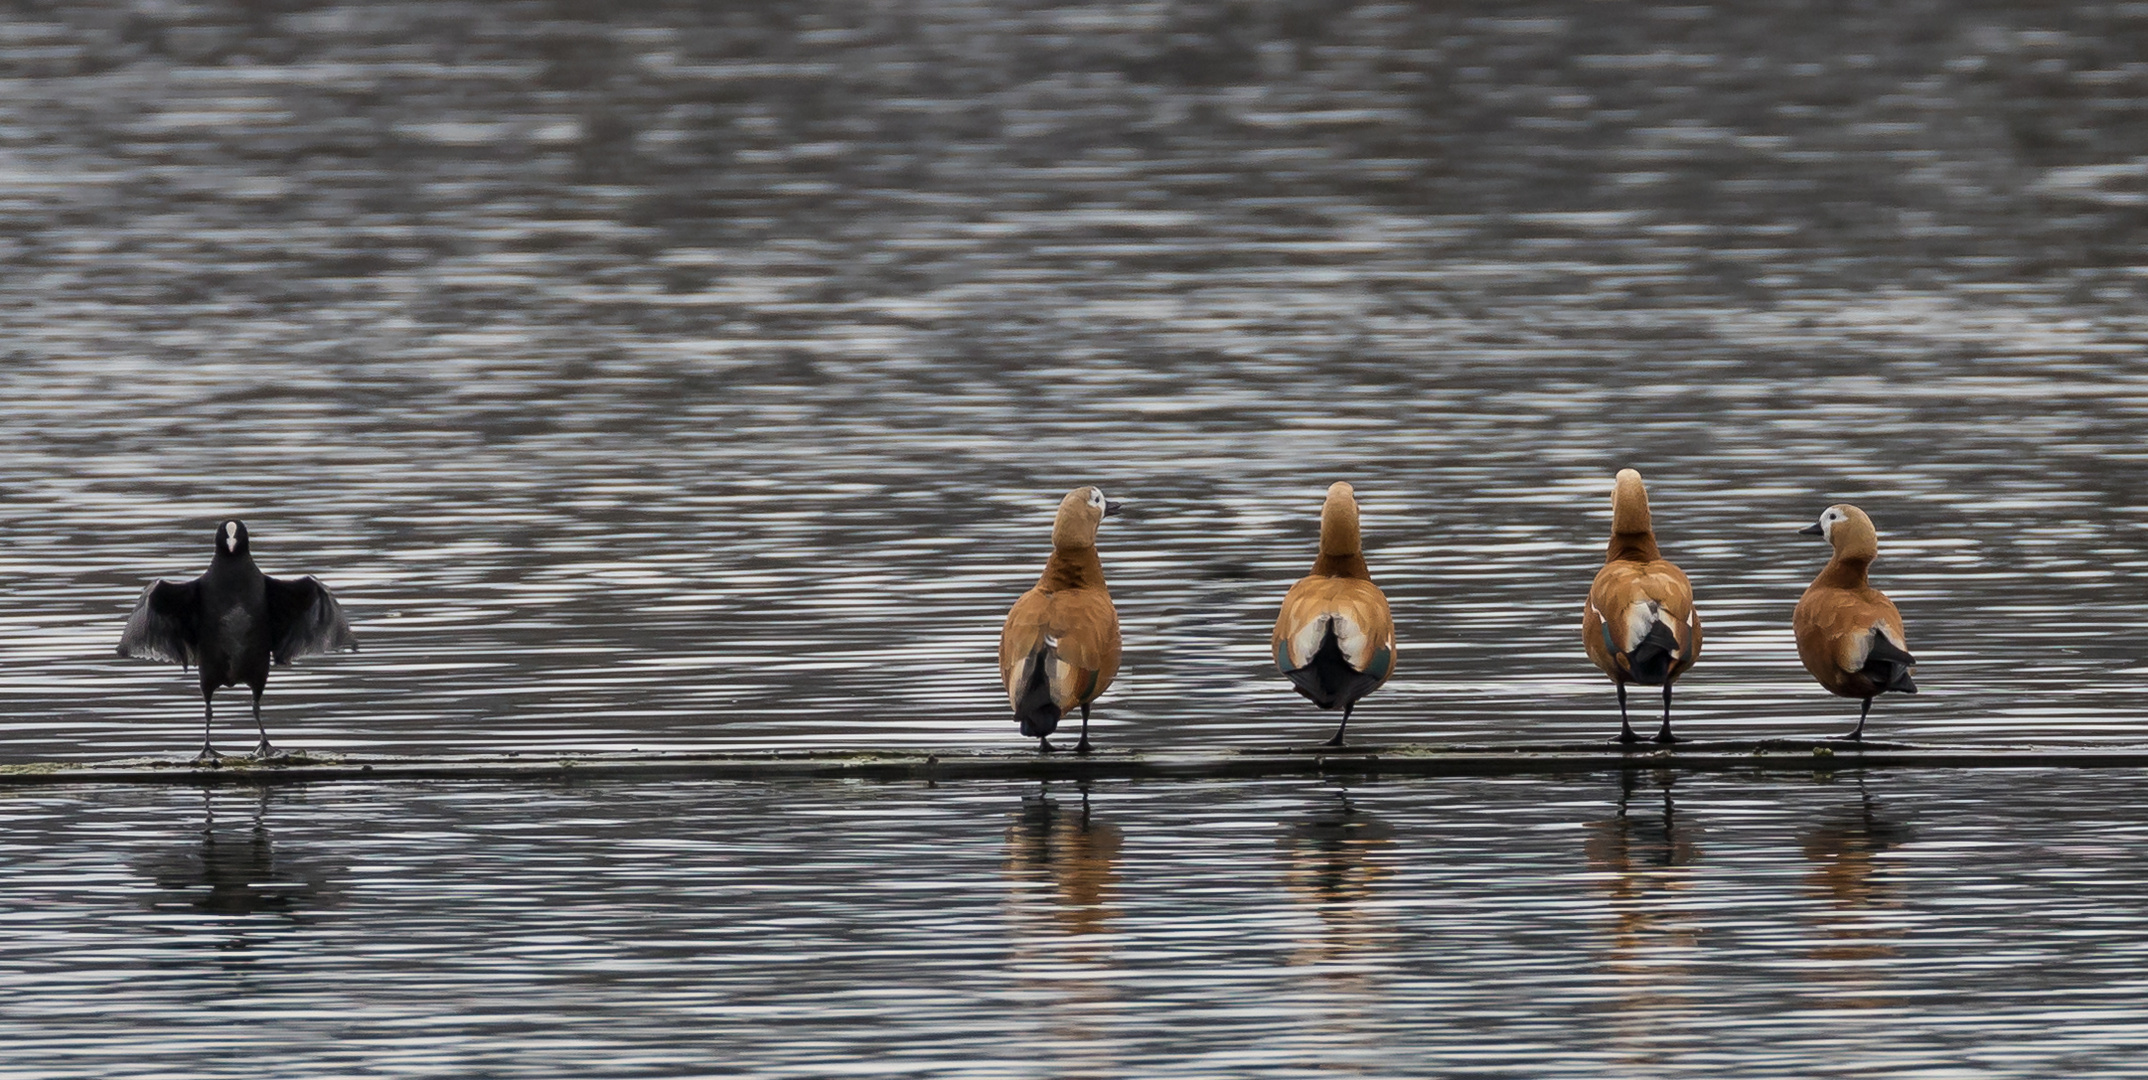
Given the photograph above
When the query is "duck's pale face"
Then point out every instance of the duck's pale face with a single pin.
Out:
(1080, 513)
(1828, 519)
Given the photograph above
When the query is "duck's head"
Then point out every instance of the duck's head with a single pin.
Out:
(1629, 504)
(1848, 529)
(1338, 522)
(231, 538)
(1080, 513)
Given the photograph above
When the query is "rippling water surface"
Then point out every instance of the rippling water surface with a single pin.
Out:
(1914, 925)
(672, 376)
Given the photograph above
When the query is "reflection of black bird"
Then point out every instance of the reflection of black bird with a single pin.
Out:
(233, 877)
(231, 622)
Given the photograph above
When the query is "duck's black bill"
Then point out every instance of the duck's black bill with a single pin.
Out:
(1810, 530)
(1110, 507)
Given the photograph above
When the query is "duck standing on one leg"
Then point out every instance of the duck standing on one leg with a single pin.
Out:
(232, 622)
(1639, 625)
(1335, 638)
(1848, 633)
(1060, 646)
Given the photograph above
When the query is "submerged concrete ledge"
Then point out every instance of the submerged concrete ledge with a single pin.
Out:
(1168, 764)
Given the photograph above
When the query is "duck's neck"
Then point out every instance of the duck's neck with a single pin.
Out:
(1632, 547)
(1072, 568)
(1845, 572)
(1342, 566)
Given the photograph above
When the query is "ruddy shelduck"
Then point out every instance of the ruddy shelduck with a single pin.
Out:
(1639, 625)
(1335, 638)
(1060, 646)
(1848, 633)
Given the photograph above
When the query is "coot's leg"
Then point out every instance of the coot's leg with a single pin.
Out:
(208, 755)
(263, 749)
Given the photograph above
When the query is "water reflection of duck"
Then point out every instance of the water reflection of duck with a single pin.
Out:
(1330, 856)
(1634, 846)
(1843, 847)
(1075, 853)
(1332, 866)
(1643, 854)
(227, 872)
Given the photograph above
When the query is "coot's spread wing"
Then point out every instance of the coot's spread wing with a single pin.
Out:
(164, 623)
(304, 619)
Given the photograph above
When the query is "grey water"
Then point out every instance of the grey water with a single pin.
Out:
(691, 376)
(1905, 925)
(687, 376)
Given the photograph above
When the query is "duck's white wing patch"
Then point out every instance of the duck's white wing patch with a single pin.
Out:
(1639, 615)
(1356, 643)
(1306, 640)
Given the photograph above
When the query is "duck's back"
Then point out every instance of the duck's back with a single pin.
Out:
(1834, 625)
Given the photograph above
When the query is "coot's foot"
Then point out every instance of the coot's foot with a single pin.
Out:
(265, 752)
(1044, 746)
(209, 757)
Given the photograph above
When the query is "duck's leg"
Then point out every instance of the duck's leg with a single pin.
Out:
(1082, 747)
(1866, 710)
(208, 755)
(1337, 740)
(1625, 730)
(1663, 734)
(262, 749)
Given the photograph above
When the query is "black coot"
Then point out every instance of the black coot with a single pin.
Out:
(232, 622)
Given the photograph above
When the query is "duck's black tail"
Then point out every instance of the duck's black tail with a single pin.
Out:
(1650, 662)
(1888, 666)
(1036, 710)
(1328, 680)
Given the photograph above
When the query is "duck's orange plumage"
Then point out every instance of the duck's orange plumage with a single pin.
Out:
(1060, 646)
(1335, 637)
(1849, 634)
(1639, 625)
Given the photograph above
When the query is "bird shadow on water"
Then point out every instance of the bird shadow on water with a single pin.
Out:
(231, 870)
